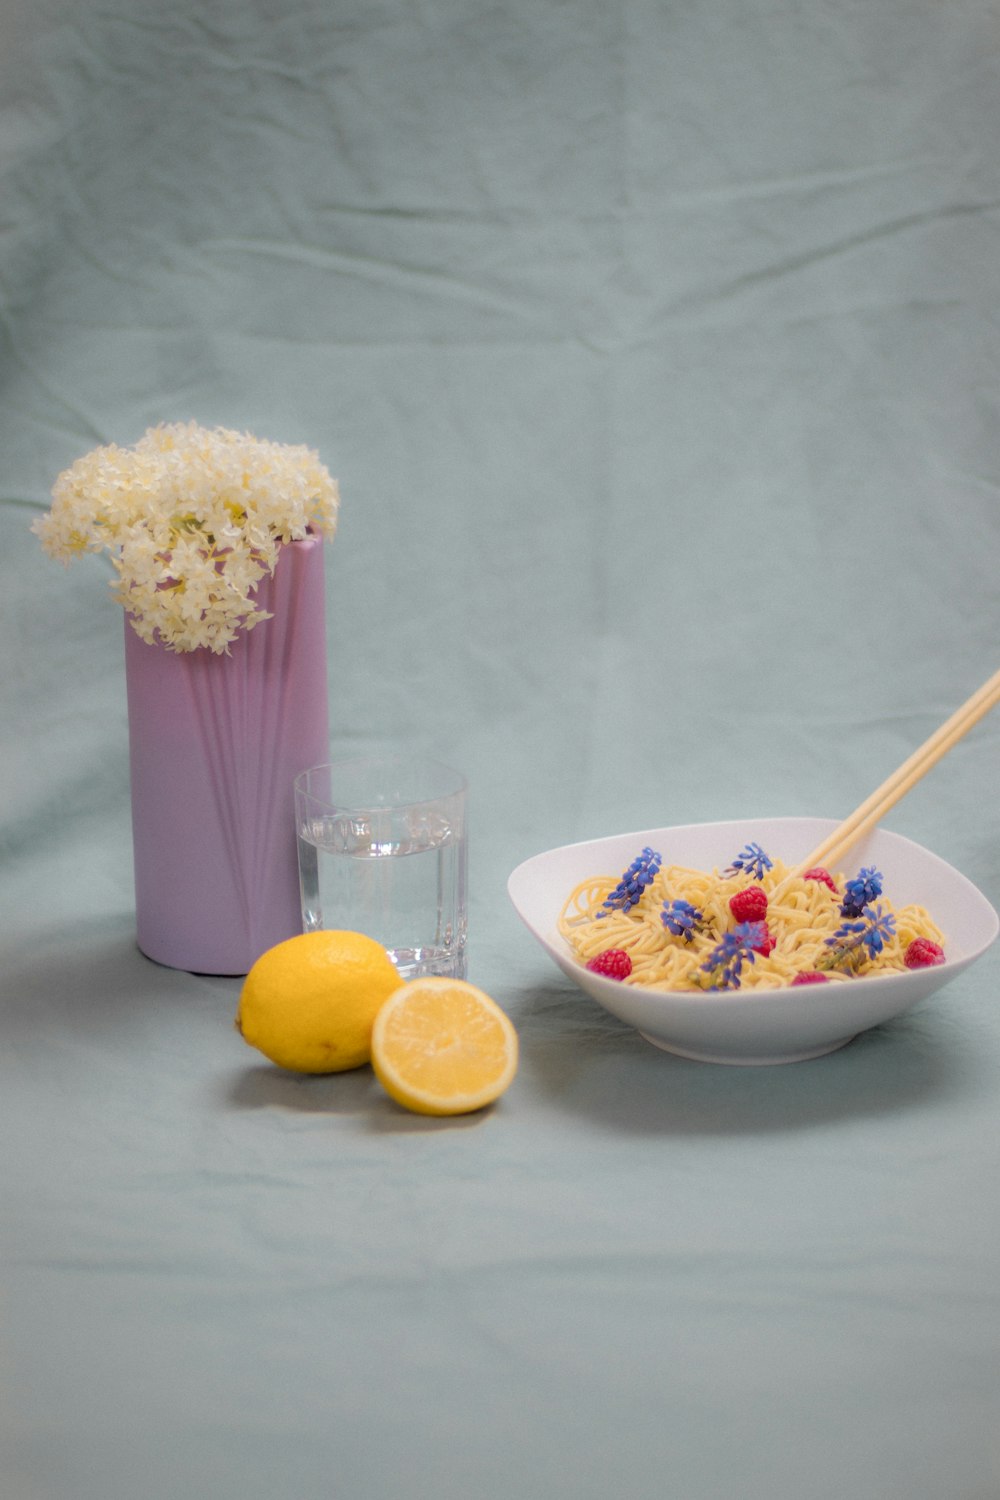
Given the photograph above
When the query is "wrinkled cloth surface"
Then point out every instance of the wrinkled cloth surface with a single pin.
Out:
(655, 349)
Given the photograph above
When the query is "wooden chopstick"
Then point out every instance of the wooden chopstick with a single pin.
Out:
(870, 812)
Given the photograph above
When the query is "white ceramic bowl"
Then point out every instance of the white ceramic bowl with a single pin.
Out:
(760, 1026)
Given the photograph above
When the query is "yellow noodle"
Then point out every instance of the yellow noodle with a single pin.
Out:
(807, 914)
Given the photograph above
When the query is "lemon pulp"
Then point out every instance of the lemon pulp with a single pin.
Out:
(443, 1047)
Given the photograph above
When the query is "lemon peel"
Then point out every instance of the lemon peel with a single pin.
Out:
(309, 1003)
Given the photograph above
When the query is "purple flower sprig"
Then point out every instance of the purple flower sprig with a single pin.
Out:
(871, 931)
(860, 892)
(681, 918)
(723, 965)
(640, 873)
(750, 861)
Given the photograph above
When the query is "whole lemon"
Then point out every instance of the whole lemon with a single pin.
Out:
(309, 1003)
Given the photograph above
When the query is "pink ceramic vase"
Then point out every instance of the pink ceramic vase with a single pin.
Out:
(215, 743)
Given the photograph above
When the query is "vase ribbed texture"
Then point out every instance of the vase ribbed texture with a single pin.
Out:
(215, 743)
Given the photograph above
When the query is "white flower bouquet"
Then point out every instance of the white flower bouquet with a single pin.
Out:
(191, 519)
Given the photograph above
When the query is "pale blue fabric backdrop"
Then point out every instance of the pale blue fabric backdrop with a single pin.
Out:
(655, 347)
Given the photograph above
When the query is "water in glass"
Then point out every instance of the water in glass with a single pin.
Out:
(395, 875)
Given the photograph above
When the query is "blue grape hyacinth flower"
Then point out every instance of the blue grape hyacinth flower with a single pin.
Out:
(861, 891)
(750, 861)
(681, 918)
(640, 873)
(726, 960)
(871, 931)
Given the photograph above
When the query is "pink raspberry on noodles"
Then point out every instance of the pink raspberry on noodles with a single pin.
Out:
(614, 963)
(750, 904)
(766, 944)
(922, 953)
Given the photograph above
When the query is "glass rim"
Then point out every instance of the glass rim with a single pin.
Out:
(388, 759)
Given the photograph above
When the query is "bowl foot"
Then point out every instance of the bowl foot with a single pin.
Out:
(735, 1060)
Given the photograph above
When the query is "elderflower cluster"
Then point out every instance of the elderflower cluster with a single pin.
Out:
(192, 520)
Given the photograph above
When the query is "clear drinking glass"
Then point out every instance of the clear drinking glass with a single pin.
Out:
(382, 850)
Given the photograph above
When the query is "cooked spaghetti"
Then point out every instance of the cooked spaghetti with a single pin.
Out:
(669, 927)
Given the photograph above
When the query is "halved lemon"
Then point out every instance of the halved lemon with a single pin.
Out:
(443, 1047)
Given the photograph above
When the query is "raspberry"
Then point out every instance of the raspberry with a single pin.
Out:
(820, 874)
(749, 905)
(809, 976)
(614, 963)
(922, 953)
(766, 944)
